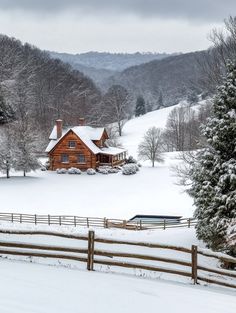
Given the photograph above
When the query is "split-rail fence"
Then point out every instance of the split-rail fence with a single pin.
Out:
(76, 221)
(92, 255)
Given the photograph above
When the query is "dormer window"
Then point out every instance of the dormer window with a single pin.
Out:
(72, 144)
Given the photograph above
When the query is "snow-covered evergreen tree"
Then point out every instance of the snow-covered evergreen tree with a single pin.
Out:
(6, 111)
(213, 175)
(160, 102)
(140, 108)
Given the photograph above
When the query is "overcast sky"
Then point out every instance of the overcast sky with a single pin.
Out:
(76, 26)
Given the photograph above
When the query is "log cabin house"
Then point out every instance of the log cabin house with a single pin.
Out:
(81, 147)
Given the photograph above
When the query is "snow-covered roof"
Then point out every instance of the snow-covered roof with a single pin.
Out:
(112, 150)
(87, 134)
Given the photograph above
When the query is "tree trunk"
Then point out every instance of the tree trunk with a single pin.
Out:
(8, 176)
(24, 173)
(153, 163)
(119, 129)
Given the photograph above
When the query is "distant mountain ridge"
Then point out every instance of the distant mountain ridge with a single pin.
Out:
(109, 61)
(155, 76)
(174, 78)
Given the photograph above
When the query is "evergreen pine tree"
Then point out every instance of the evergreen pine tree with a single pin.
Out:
(192, 97)
(140, 108)
(213, 175)
(6, 111)
(160, 103)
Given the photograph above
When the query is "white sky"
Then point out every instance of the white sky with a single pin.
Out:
(76, 30)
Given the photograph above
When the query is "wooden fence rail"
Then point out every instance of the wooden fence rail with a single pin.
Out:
(93, 255)
(76, 221)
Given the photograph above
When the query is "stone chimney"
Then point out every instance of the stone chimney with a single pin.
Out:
(59, 128)
(81, 121)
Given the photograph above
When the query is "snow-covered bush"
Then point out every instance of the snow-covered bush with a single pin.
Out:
(107, 169)
(130, 159)
(231, 240)
(113, 170)
(102, 170)
(61, 171)
(74, 170)
(47, 165)
(91, 171)
(129, 169)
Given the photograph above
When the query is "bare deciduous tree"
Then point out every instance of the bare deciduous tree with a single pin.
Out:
(117, 104)
(6, 151)
(183, 128)
(151, 146)
(213, 61)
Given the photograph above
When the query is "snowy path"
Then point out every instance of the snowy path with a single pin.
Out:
(33, 288)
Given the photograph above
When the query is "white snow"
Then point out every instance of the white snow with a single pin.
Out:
(27, 288)
(150, 191)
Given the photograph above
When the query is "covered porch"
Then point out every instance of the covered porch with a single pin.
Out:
(112, 159)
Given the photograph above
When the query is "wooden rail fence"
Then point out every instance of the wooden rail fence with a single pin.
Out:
(95, 221)
(93, 255)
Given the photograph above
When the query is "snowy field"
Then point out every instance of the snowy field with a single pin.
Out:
(151, 191)
(28, 288)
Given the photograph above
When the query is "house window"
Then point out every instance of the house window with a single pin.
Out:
(81, 158)
(71, 144)
(65, 158)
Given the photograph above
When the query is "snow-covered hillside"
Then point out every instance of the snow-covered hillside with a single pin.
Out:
(135, 128)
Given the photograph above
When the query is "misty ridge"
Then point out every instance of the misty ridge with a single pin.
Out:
(171, 76)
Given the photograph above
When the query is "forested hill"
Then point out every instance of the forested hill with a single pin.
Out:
(162, 79)
(167, 81)
(100, 66)
(46, 88)
(109, 61)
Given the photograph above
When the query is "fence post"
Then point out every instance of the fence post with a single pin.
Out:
(91, 236)
(189, 221)
(124, 224)
(140, 224)
(12, 218)
(48, 219)
(35, 219)
(164, 225)
(105, 222)
(20, 218)
(194, 264)
(87, 222)
(75, 221)
(60, 220)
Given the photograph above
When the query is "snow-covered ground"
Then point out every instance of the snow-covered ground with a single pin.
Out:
(183, 237)
(151, 191)
(28, 288)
